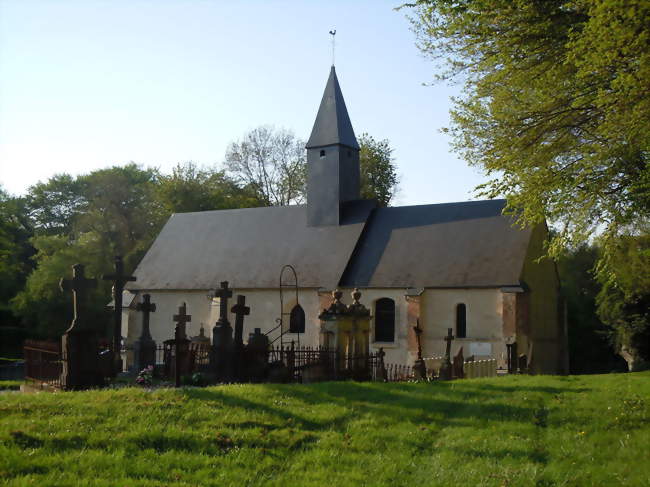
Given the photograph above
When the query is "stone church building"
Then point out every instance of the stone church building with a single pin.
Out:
(454, 265)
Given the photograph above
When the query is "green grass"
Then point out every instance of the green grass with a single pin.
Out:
(518, 430)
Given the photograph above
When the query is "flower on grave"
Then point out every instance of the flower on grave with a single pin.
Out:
(145, 377)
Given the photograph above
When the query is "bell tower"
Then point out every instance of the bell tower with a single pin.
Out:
(332, 159)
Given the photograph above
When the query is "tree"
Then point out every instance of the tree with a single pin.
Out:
(590, 347)
(53, 205)
(272, 163)
(378, 174)
(555, 105)
(190, 188)
(624, 299)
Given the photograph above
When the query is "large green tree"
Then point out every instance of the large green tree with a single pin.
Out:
(378, 173)
(556, 105)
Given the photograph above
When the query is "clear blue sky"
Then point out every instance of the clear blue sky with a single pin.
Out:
(88, 84)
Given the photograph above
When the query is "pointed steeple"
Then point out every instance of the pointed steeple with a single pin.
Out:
(332, 124)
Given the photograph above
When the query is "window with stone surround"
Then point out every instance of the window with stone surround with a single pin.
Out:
(385, 320)
(461, 321)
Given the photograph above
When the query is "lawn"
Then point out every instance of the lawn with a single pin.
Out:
(517, 430)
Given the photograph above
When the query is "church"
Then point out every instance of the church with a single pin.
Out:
(463, 266)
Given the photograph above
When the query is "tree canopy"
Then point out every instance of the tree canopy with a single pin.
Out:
(378, 173)
(556, 105)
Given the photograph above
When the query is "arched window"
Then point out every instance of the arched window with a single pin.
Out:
(297, 320)
(461, 321)
(385, 320)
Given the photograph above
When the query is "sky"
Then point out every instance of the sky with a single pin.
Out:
(91, 84)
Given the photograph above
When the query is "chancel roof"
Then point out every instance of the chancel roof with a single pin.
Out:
(467, 244)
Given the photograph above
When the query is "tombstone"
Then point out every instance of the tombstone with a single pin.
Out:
(458, 365)
(222, 340)
(445, 368)
(419, 367)
(144, 348)
(511, 354)
(382, 373)
(346, 330)
(79, 344)
(181, 345)
(119, 279)
(257, 356)
(240, 310)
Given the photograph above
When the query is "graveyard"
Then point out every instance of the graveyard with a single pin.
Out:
(514, 430)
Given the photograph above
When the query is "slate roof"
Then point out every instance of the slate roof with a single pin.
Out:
(332, 125)
(466, 244)
(248, 247)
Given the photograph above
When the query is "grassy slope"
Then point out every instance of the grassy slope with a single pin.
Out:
(581, 430)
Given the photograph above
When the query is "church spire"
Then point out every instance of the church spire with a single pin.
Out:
(332, 124)
(333, 175)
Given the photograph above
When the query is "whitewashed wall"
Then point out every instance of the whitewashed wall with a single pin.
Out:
(438, 312)
(484, 321)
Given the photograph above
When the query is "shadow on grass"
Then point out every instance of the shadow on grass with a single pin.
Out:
(395, 403)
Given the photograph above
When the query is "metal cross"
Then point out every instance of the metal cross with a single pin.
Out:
(119, 279)
(78, 285)
(240, 310)
(181, 319)
(146, 306)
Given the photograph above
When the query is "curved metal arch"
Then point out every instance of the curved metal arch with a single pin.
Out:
(287, 272)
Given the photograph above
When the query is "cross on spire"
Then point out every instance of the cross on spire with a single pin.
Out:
(181, 319)
(146, 306)
(240, 310)
(79, 284)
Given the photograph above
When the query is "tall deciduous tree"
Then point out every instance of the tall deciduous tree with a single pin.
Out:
(378, 174)
(271, 162)
(556, 104)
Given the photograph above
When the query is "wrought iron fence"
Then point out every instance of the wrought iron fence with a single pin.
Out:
(43, 362)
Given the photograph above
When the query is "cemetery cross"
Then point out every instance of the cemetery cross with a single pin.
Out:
(445, 369)
(181, 319)
(78, 285)
(119, 279)
(144, 347)
(146, 306)
(240, 310)
(223, 293)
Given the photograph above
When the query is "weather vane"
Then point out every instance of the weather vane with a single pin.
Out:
(333, 34)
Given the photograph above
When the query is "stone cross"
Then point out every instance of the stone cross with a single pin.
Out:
(119, 279)
(448, 339)
(223, 293)
(445, 368)
(240, 310)
(78, 285)
(146, 306)
(181, 319)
